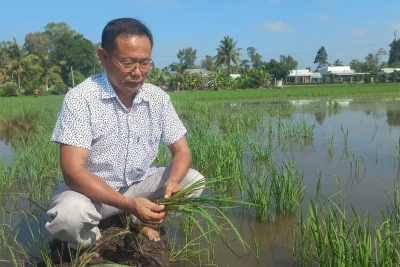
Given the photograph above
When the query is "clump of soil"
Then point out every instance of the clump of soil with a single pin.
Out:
(117, 245)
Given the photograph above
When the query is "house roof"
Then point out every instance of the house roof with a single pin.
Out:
(337, 70)
(389, 70)
(304, 73)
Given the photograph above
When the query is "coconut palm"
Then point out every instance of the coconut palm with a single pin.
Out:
(179, 74)
(19, 62)
(227, 53)
(49, 70)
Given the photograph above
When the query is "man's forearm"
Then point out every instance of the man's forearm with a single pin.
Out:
(179, 166)
(94, 188)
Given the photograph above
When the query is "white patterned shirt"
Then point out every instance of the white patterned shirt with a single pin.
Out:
(122, 143)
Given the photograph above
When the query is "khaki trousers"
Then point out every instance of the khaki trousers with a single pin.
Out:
(75, 217)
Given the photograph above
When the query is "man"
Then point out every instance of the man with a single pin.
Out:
(109, 129)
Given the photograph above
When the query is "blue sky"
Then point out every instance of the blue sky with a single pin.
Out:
(348, 29)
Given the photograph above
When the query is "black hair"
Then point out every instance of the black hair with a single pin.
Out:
(126, 27)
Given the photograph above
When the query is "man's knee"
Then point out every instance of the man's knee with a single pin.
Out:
(70, 217)
(192, 177)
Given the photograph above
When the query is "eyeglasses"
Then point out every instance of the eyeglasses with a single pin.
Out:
(144, 66)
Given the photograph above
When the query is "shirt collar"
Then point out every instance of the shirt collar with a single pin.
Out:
(108, 90)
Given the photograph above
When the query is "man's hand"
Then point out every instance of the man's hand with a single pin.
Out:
(170, 188)
(145, 210)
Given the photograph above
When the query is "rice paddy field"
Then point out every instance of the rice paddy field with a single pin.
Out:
(313, 171)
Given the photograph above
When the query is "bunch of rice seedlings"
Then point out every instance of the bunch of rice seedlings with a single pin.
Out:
(209, 207)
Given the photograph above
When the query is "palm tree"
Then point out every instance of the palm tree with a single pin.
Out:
(49, 70)
(19, 62)
(227, 53)
(338, 63)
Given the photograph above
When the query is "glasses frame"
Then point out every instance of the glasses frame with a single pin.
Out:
(134, 66)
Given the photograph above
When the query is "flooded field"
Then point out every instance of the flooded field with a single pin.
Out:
(295, 158)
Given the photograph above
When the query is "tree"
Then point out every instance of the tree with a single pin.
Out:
(76, 51)
(321, 58)
(278, 69)
(337, 63)
(218, 79)
(19, 62)
(381, 52)
(56, 30)
(394, 54)
(187, 57)
(208, 63)
(356, 65)
(37, 43)
(177, 78)
(288, 62)
(49, 70)
(157, 77)
(371, 63)
(255, 58)
(68, 45)
(228, 53)
(261, 77)
(245, 66)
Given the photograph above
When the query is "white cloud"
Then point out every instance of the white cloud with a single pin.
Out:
(359, 32)
(394, 26)
(324, 17)
(275, 26)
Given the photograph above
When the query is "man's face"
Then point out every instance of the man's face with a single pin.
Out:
(135, 49)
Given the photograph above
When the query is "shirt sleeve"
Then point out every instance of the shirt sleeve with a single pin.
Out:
(73, 123)
(173, 128)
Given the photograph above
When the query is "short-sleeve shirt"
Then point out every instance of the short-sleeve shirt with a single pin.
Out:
(123, 143)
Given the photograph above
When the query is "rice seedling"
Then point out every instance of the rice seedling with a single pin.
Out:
(188, 250)
(355, 165)
(260, 194)
(262, 152)
(286, 188)
(330, 142)
(345, 133)
(209, 208)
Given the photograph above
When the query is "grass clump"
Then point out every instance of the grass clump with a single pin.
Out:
(211, 208)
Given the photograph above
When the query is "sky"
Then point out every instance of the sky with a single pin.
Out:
(347, 29)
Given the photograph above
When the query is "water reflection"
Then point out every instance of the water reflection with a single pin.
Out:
(320, 117)
(393, 117)
(15, 126)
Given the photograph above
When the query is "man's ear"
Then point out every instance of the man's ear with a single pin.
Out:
(101, 53)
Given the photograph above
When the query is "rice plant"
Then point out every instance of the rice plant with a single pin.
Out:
(262, 152)
(259, 193)
(210, 208)
(345, 134)
(286, 188)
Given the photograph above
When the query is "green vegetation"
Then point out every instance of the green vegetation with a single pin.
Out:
(59, 54)
(248, 156)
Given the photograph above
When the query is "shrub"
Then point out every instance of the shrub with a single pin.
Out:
(10, 90)
(59, 88)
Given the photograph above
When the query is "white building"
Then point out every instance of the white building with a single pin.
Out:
(303, 76)
(338, 70)
(342, 73)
